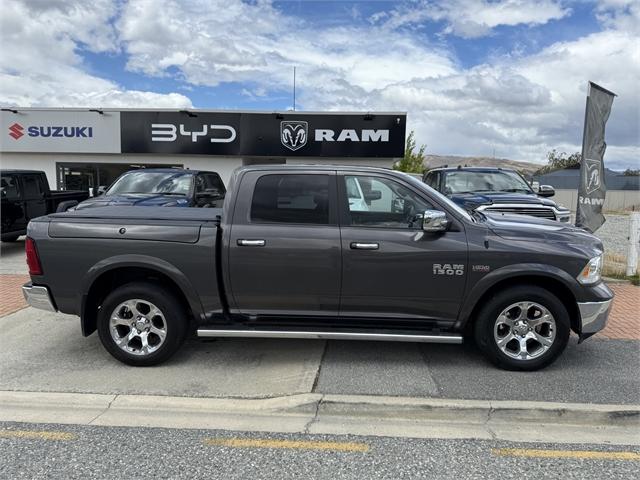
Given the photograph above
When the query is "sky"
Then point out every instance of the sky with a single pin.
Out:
(476, 77)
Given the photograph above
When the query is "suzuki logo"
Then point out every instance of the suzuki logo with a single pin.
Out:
(15, 131)
(293, 134)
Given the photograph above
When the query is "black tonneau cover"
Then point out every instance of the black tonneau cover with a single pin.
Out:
(142, 213)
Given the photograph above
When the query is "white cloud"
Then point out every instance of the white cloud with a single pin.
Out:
(40, 64)
(473, 18)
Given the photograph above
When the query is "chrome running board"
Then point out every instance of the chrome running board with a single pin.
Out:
(386, 337)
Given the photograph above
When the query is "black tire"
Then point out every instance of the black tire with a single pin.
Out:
(10, 239)
(486, 325)
(172, 316)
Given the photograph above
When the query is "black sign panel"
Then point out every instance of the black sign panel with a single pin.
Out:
(263, 134)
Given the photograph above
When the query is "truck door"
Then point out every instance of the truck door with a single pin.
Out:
(13, 213)
(391, 267)
(284, 245)
(34, 196)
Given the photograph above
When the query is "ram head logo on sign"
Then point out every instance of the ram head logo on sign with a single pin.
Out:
(293, 134)
(593, 175)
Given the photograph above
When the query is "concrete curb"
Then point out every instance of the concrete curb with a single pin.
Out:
(337, 414)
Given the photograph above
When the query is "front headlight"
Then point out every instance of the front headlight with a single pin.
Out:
(590, 274)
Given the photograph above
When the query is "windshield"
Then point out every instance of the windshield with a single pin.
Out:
(140, 181)
(466, 181)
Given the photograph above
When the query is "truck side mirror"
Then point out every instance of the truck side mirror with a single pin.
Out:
(546, 191)
(66, 205)
(434, 221)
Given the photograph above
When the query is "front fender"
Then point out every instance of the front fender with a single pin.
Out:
(522, 270)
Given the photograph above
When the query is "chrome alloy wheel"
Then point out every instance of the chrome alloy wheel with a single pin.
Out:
(138, 327)
(524, 330)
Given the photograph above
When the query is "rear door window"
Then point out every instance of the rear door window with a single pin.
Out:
(31, 185)
(301, 199)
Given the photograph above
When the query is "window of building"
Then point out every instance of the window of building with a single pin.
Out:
(291, 199)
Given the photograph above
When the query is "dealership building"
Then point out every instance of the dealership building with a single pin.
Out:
(88, 148)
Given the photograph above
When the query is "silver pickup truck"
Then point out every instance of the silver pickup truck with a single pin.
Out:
(320, 252)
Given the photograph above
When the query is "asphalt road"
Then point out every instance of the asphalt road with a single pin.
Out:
(31, 451)
(46, 352)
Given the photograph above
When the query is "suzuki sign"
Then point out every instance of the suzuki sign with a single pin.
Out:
(52, 131)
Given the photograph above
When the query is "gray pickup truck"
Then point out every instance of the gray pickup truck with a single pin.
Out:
(320, 252)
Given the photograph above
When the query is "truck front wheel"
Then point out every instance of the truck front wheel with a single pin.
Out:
(141, 324)
(522, 328)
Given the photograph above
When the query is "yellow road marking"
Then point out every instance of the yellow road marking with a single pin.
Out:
(580, 454)
(291, 444)
(34, 435)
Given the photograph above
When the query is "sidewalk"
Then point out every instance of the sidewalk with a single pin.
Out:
(624, 321)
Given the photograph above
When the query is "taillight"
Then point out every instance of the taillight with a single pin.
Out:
(33, 261)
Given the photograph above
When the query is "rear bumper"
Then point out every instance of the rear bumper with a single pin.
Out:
(38, 297)
(594, 316)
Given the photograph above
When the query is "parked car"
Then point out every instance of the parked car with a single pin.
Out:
(162, 187)
(496, 190)
(289, 256)
(25, 196)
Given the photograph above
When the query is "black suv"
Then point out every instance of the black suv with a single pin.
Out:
(495, 190)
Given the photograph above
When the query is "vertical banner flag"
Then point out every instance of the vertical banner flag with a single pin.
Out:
(592, 188)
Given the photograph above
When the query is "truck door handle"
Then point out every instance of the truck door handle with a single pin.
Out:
(251, 243)
(364, 246)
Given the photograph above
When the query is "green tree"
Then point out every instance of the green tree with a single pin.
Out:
(412, 162)
(629, 172)
(559, 161)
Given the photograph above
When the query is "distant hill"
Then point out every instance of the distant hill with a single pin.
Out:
(434, 161)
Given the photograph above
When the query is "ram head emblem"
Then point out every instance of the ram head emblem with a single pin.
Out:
(293, 134)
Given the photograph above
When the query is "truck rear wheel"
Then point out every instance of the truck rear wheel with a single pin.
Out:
(142, 324)
(522, 328)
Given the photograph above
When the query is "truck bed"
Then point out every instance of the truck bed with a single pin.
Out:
(75, 247)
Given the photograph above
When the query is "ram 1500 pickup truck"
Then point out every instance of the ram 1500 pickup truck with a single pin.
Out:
(320, 252)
